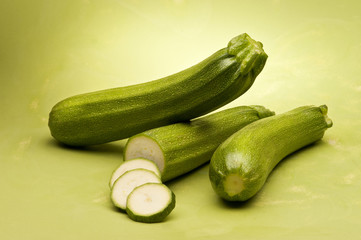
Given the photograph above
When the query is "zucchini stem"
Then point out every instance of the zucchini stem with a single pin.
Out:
(233, 184)
(324, 110)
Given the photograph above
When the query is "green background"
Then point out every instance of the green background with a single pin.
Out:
(50, 50)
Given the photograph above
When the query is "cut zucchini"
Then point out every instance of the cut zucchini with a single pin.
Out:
(137, 163)
(150, 203)
(181, 147)
(127, 182)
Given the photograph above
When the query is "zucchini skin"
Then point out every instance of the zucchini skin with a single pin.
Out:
(250, 154)
(188, 145)
(118, 113)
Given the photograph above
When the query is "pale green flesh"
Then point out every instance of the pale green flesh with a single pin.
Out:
(138, 163)
(182, 147)
(145, 147)
(125, 184)
(240, 165)
(151, 202)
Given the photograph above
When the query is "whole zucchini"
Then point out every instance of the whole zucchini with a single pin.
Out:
(241, 164)
(181, 147)
(114, 114)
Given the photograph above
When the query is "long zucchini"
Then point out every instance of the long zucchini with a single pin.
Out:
(114, 114)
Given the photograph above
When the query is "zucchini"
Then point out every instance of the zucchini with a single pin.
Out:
(118, 113)
(150, 203)
(181, 147)
(126, 183)
(133, 164)
(241, 164)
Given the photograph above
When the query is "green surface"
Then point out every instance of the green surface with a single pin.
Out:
(50, 50)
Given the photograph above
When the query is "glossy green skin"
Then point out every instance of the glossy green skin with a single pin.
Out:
(119, 113)
(255, 150)
(188, 145)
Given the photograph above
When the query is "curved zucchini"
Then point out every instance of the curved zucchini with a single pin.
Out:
(241, 164)
(181, 147)
(114, 114)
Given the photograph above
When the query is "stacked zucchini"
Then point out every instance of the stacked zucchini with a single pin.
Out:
(137, 189)
(168, 137)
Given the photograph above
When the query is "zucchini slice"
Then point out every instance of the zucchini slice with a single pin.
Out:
(150, 203)
(137, 163)
(127, 182)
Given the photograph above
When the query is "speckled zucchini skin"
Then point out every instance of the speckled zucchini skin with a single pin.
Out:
(187, 145)
(249, 155)
(114, 114)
